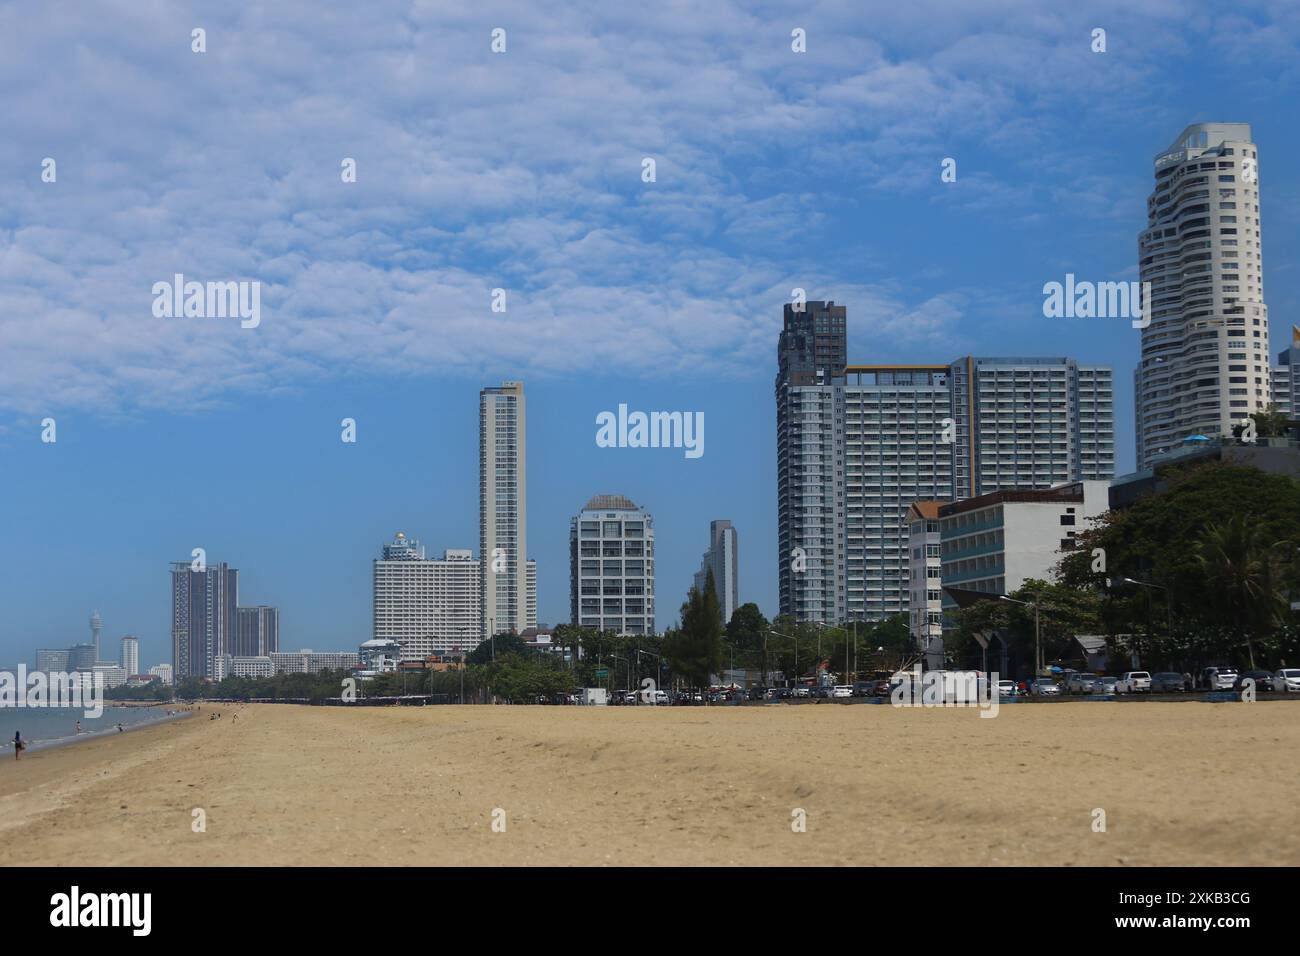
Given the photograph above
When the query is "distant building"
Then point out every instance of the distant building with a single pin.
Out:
(723, 559)
(163, 672)
(257, 631)
(204, 607)
(612, 568)
(1286, 377)
(114, 675)
(81, 657)
(379, 656)
(308, 661)
(1279, 456)
(230, 665)
(52, 660)
(130, 655)
(427, 607)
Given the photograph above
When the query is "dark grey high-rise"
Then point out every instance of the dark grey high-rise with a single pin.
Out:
(257, 631)
(204, 609)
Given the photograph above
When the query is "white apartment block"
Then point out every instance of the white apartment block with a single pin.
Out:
(995, 542)
(308, 661)
(925, 602)
(130, 656)
(612, 567)
(429, 607)
(231, 665)
(163, 672)
(1205, 354)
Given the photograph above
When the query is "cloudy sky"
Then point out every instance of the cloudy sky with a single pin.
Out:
(522, 171)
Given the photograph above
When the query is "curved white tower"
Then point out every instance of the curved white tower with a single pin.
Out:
(1205, 357)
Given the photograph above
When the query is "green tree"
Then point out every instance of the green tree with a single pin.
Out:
(747, 633)
(1246, 570)
(695, 651)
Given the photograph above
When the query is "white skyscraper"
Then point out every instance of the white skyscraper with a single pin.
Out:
(130, 655)
(427, 607)
(96, 629)
(1205, 356)
(612, 566)
(503, 511)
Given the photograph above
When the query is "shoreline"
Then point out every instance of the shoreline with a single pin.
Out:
(42, 745)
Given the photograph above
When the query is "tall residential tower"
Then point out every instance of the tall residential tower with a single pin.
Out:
(509, 583)
(1205, 356)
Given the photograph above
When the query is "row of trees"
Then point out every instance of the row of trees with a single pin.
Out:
(1203, 573)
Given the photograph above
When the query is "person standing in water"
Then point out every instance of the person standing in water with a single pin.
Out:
(19, 746)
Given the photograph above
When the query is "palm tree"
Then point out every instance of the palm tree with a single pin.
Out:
(1245, 571)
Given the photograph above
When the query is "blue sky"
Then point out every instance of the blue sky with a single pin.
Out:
(522, 171)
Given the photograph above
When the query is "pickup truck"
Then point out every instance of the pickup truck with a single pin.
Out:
(1134, 682)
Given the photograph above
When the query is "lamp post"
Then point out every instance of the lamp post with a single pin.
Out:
(789, 638)
(1038, 644)
(1169, 602)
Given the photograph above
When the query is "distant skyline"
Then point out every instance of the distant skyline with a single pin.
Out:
(522, 171)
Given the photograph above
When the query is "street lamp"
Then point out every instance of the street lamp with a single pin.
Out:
(787, 637)
(1038, 644)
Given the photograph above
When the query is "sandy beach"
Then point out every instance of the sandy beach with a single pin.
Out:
(1180, 783)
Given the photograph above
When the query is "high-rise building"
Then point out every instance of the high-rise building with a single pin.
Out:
(612, 567)
(130, 655)
(96, 629)
(859, 444)
(257, 631)
(503, 511)
(723, 559)
(163, 672)
(1205, 355)
(1286, 377)
(81, 657)
(51, 660)
(307, 661)
(427, 607)
(204, 607)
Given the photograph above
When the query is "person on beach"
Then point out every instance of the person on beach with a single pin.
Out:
(78, 726)
(19, 746)
(119, 728)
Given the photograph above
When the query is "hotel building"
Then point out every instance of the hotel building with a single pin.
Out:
(612, 567)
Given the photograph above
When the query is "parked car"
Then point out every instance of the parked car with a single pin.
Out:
(883, 688)
(1263, 680)
(1134, 682)
(1287, 680)
(799, 692)
(1081, 683)
(1167, 682)
(1045, 687)
(821, 693)
(757, 693)
(1219, 678)
(864, 688)
(842, 690)
(1106, 685)
(1006, 688)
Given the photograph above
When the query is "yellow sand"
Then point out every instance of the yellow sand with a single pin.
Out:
(1180, 783)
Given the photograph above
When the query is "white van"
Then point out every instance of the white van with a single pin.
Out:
(1219, 678)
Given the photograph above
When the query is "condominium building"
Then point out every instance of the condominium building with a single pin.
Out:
(308, 661)
(239, 665)
(925, 600)
(52, 660)
(994, 543)
(427, 606)
(163, 672)
(723, 559)
(1205, 354)
(130, 655)
(1286, 377)
(612, 566)
(503, 511)
(82, 657)
(257, 631)
(204, 606)
(112, 675)
(857, 445)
